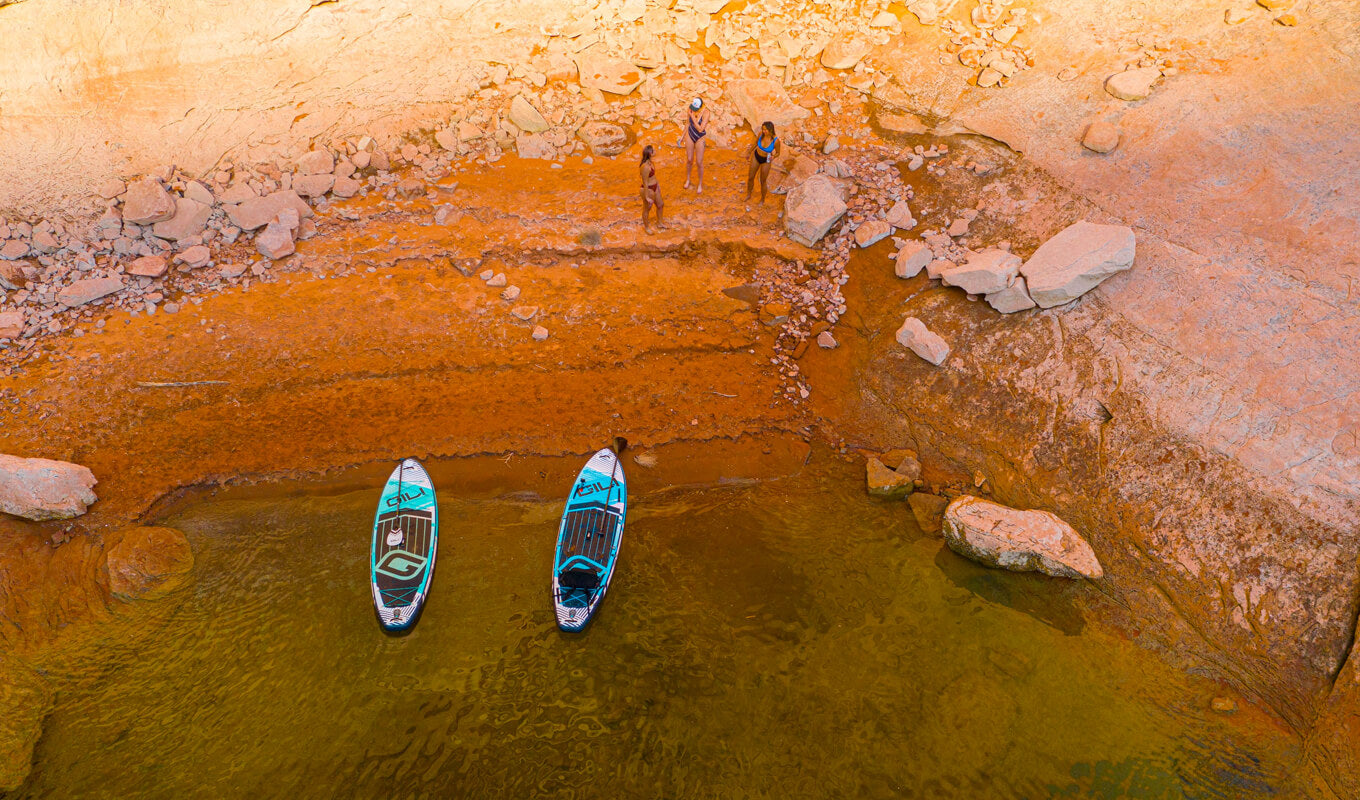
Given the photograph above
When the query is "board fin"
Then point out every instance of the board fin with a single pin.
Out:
(618, 445)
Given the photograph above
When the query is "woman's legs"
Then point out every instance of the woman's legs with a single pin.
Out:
(764, 178)
(751, 170)
(699, 159)
(689, 157)
(646, 209)
(660, 205)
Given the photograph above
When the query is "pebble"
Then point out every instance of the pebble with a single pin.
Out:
(511, 293)
(497, 280)
(540, 333)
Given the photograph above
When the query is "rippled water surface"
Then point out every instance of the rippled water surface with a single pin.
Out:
(785, 639)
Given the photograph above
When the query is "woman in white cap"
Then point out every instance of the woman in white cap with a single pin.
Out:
(695, 132)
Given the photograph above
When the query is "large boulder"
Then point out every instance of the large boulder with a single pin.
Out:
(761, 101)
(915, 336)
(315, 162)
(788, 173)
(812, 208)
(146, 201)
(258, 212)
(605, 139)
(190, 218)
(40, 489)
(612, 75)
(1076, 260)
(147, 562)
(985, 272)
(1020, 541)
(89, 290)
(525, 116)
(911, 259)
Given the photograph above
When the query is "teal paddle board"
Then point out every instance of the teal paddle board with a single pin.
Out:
(405, 543)
(588, 540)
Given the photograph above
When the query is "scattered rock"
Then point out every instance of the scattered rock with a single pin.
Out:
(12, 275)
(540, 334)
(875, 230)
(985, 272)
(198, 193)
(275, 241)
(791, 173)
(238, 193)
(510, 294)
(313, 185)
(884, 482)
(612, 75)
(13, 250)
(760, 101)
(1020, 541)
(812, 208)
(260, 211)
(534, 145)
(525, 116)
(843, 54)
(345, 187)
(525, 313)
(826, 341)
(831, 145)
(604, 139)
(195, 257)
(1012, 299)
(87, 290)
(928, 510)
(496, 280)
(146, 562)
(899, 216)
(444, 213)
(190, 219)
(1100, 137)
(958, 227)
(40, 489)
(146, 201)
(916, 337)
(1076, 261)
(911, 259)
(316, 162)
(447, 138)
(45, 243)
(111, 188)
(11, 324)
(147, 267)
(1133, 84)
(936, 269)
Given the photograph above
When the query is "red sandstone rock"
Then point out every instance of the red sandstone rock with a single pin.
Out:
(87, 290)
(147, 562)
(1076, 261)
(190, 219)
(147, 267)
(911, 259)
(11, 324)
(41, 489)
(914, 336)
(1100, 137)
(315, 162)
(146, 201)
(259, 211)
(1020, 541)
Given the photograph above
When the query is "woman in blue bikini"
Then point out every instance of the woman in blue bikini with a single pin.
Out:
(695, 131)
(766, 148)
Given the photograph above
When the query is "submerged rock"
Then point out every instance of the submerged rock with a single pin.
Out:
(147, 562)
(1076, 260)
(885, 482)
(928, 510)
(25, 701)
(1020, 541)
(41, 489)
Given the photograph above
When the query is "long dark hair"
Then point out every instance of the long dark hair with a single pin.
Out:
(768, 126)
(647, 154)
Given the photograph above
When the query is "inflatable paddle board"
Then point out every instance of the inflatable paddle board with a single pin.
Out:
(588, 540)
(405, 542)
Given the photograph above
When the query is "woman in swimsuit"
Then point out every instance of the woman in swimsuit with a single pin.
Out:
(766, 148)
(695, 131)
(651, 190)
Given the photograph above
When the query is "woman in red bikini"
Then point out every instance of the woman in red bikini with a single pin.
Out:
(651, 190)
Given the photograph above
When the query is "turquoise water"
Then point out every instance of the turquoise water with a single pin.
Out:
(790, 638)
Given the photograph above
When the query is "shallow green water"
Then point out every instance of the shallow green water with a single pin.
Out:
(786, 639)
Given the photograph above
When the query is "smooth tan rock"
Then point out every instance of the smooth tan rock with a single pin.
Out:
(884, 482)
(1013, 298)
(871, 232)
(314, 185)
(345, 187)
(1020, 541)
(190, 219)
(13, 250)
(605, 139)
(1100, 137)
(913, 257)
(612, 75)
(41, 489)
(844, 53)
(527, 118)
(759, 101)
(984, 272)
(812, 208)
(915, 336)
(148, 267)
(259, 211)
(316, 162)
(11, 324)
(1077, 260)
(146, 201)
(275, 241)
(88, 290)
(790, 172)
(1133, 84)
(146, 563)
(899, 216)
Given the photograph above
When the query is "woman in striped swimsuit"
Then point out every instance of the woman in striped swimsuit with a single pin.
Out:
(695, 131)
(766, 148)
